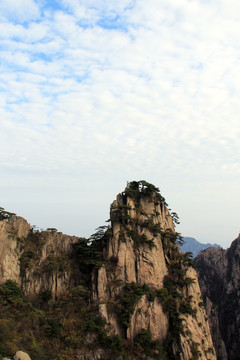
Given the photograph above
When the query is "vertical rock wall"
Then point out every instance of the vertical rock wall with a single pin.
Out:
(219, 276)
(26, 257)
(11, 232)
(136, 247)
(139, 280)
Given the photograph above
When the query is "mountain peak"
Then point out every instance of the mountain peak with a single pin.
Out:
(130, 287)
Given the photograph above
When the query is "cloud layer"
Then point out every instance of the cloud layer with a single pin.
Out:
(97, 93)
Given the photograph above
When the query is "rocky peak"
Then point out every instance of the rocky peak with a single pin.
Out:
(127, 292)
(212, 265)
(144, 260)
(137, 219)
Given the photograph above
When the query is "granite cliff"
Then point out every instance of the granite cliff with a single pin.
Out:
(219, 277)
(128, 292)
(36, 261)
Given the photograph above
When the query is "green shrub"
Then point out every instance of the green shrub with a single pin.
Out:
(142, 188)
(89, 252)
(210, 350)
(194, 350)
(53, 328)
(26, 260)
(95, 323)
(113, 343)
(79, 292)
(155, 229)
(5, 214)
(2, 352)
(10, 293)
(120, 214)
(140, 240)
(151, 293)
(186, 308)
(189, 281)
(174, 304)
(144, 344)
(45, 296)
(127, 300)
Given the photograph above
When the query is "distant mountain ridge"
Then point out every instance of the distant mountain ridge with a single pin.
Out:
(191, 244)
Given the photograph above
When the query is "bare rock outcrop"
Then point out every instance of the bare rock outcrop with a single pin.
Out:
(11, 231)
(34, 260)
(51, 266)
(148, 315)
(21, 355)
(136, 294)
(219, 277)
(142, 254)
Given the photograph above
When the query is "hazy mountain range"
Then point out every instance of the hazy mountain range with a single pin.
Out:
(191, 244)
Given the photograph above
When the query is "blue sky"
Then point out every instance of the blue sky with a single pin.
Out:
(97, 93)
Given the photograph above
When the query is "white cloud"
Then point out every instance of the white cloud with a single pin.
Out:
(155, 96)
(19, 10)
(92, 10)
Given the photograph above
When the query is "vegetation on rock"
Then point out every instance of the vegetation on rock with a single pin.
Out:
(138, 189)
(5, 214)
(61, 327)
(148, 347)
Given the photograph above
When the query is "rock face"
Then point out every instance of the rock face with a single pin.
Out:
(136, 293)
(11, 230)
(34, 260)
(219, 278)
(142, 250)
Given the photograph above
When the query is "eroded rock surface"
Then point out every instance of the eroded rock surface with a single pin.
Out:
(34, 260)
(133, 275)
(11, 230)
(140, 250)
(219, 277)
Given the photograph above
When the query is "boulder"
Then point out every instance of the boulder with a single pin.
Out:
(20, 355)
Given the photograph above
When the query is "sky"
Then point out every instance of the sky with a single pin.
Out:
(97, 93)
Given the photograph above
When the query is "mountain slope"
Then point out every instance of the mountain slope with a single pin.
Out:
(128, 292)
